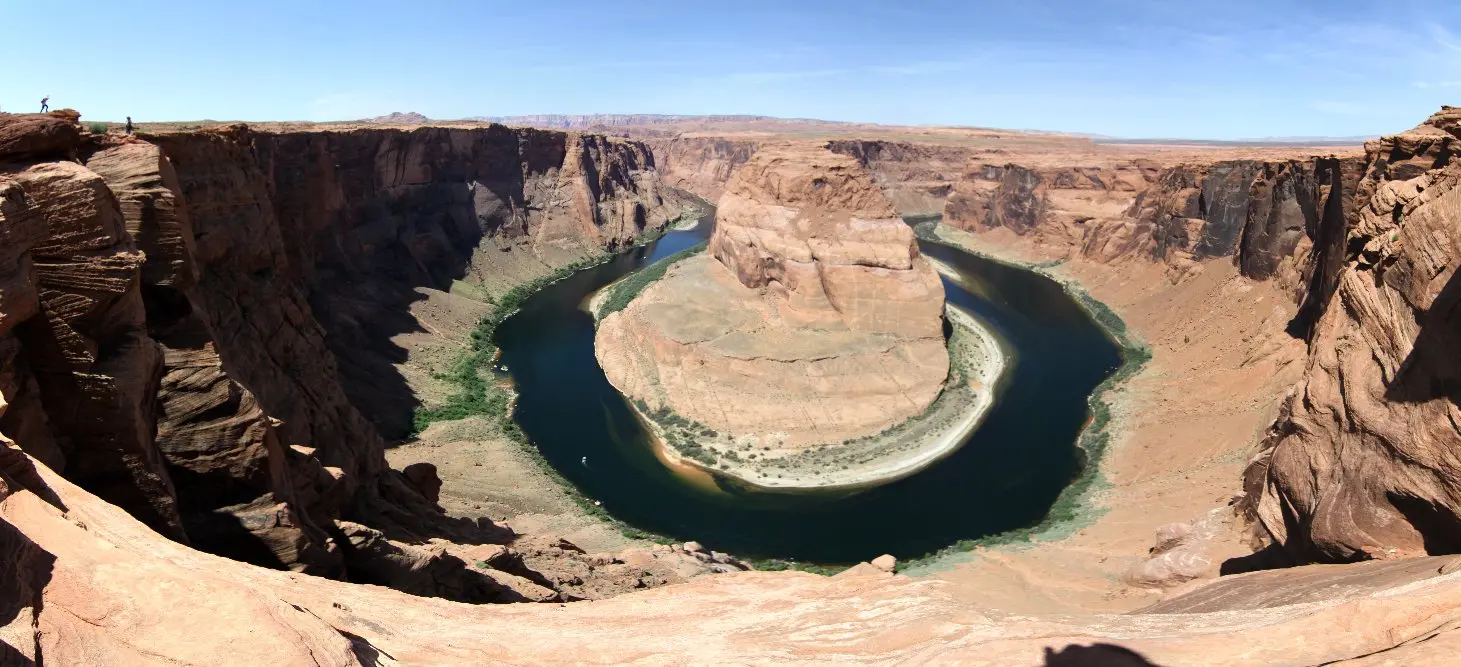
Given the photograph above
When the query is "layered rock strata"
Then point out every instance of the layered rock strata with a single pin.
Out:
(1276, 219)
(916, 177)
(1358, 465)
(811, 319)
(198, 327)
(1363, 464)
(82, 579)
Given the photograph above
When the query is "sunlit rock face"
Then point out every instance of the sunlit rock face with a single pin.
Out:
(811, 319)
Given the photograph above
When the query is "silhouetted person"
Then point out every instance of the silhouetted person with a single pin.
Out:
(45, 104)
(129, 124)
(1095, 655)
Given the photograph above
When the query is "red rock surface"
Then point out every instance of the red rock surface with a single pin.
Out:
(1363, 463)
(85, 583)
(184, 316)
(816, 321)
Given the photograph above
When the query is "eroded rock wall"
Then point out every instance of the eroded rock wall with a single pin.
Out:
(702, 165)
(916, 177)
(82, 373)
(812, 318)
(1276, 219)
(1059, 205)
(1363, 461)
(195, 326)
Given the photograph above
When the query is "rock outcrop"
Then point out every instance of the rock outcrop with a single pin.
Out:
(1282, 220)
(916, 177)
(195, 326)
(1056, 204)
(83, 582)
(1363, 464)
(702, 165)
(812, 319)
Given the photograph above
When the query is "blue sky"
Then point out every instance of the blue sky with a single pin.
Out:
(1135, 68)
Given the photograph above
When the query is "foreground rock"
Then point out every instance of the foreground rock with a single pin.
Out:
(811, 320)
(84, 582)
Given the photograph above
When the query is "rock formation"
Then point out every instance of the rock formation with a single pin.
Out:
(811, 319)
(194, 329)
(1056, 204)
(1360, 463)
(83, 582)
(916, 177)
(1363, 461)
(195, 326)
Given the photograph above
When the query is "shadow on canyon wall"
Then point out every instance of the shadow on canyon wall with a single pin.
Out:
(28, 567)
(1428, 372)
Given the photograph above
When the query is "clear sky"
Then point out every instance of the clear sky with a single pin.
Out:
(1135, 68)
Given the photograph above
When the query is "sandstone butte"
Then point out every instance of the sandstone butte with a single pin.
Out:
(179, 314)
(810, 320)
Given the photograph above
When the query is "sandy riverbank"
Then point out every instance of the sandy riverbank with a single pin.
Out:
(1181, 430)
(977, 363)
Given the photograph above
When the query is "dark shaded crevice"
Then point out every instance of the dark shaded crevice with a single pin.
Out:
(1329, 252)
(1272, 557)
(1440, 530)
(1429, 372)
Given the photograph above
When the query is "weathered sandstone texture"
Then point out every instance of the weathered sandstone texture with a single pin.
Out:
(916, 177)
(198, 327)
(811, 319)
(1360, 463)
(1365, 461)
(84, 583)
(1276, 219)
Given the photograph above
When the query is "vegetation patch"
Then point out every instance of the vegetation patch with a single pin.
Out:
(477, 395)
(621, 293)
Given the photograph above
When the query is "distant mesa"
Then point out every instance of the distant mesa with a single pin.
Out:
(583, 121)
(398, 118)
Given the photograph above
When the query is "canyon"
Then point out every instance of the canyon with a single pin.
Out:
(810, 322)
(211, 337)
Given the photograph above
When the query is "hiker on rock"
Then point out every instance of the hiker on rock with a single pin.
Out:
(45, 104)
(129, 124)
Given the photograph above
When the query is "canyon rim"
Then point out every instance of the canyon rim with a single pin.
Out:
(723, 389)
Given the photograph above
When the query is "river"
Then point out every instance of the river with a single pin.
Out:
(1006, 475)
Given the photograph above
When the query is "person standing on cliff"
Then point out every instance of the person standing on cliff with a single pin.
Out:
(129, 125)
(45, 104)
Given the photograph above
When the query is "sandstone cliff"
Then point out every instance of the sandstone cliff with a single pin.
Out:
(1362, 463)
(816, 321)
(1054, 203)
(198, 327)
(916, 177)
(702, 165)
(1359, 464)
(1276, 219)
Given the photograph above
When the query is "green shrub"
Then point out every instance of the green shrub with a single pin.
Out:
(97, 128)
(624, 291)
